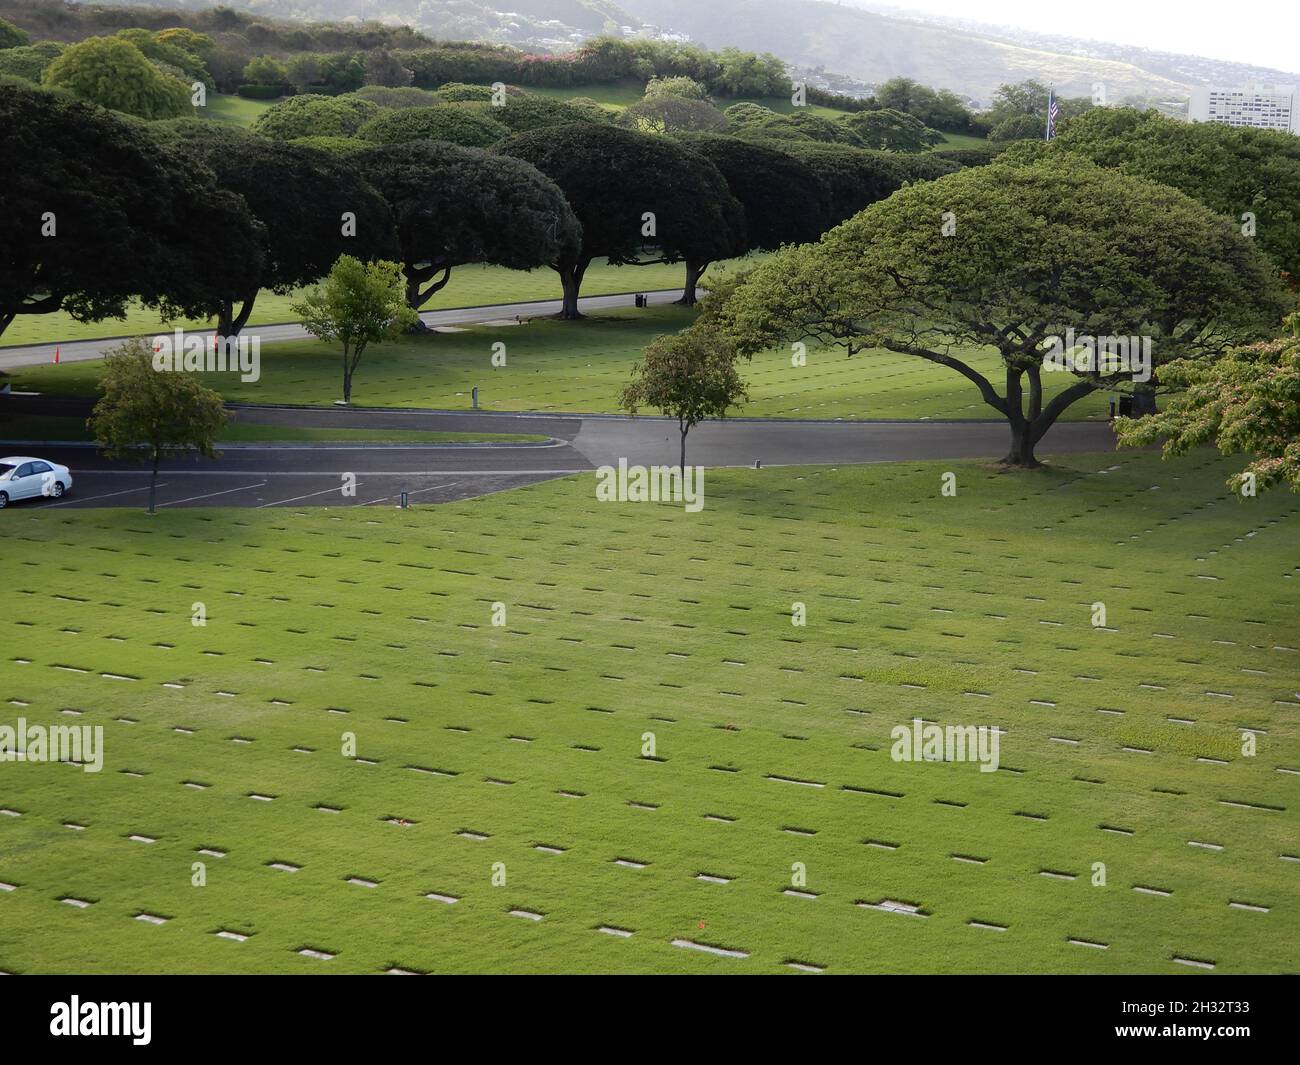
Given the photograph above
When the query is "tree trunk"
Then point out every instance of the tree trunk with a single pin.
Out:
(1022, 446)
(571, 278)
(153, 480)
(347, 377)
(417, 298)
(1144, 398)
(694, 271)
(684, 429)
(230, 324)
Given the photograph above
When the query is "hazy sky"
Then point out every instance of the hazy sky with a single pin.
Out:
(1266, 32)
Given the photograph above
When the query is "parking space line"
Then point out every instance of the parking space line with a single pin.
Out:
(106, 495)
(191, 499)
(416, 492)
(309, 495)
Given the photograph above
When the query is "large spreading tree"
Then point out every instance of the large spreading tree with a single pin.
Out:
(313, 205)
(778, 193)
(640, 199)
(453, 206)
(1250, 175)
(94, 211)
(1004, 258)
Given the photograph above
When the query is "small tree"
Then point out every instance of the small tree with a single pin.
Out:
(689, 376)
(358, 304)
(1246, 402)
(144, 411)
(265, 70)
(114, 73)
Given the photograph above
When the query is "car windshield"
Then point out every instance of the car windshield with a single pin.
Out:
(5, 467)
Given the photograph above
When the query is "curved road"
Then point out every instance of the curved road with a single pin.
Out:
(266, 475)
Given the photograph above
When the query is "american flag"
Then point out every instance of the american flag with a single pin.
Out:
(1053, 109)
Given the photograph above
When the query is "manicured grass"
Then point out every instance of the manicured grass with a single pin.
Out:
(31, 427)
(961, 140)
(234, 109)
(617, 95)
(583, 366)
(629, 624)
(470, 286)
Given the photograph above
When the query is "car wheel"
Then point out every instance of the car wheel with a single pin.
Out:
(56, 489)
(4, 500)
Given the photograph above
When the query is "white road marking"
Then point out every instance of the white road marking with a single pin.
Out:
(309, 495)
(106, 495)
(412, 493)
(209, 495)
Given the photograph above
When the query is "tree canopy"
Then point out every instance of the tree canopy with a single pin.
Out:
(892, 131)
(311, 115)
(96, 211)
(778, 193)
(671, 114)
(635, 195)
(114, 73)
(1235, 171)
(313, 207)
(1246, 402)
(520, 113)
(454, 206)
(1009, 258)
(465, 124)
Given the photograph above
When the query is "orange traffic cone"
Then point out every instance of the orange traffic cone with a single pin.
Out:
(56, 355)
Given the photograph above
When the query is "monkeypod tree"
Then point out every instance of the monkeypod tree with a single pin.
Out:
(892, 131)
(1250, 175)
(313, 207)
(639, 199)
(95, 211)
(779, 195)
(672, 114)
(1019, 260)
(453, 206)
(849, 178)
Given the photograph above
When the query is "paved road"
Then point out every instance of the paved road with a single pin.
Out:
(314, 474)
(82, 350)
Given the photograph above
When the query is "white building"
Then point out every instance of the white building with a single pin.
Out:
(1261, 106)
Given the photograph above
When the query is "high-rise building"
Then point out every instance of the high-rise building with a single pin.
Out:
(1261, 106)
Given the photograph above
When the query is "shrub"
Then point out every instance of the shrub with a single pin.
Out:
(312, 115)
(463, 124)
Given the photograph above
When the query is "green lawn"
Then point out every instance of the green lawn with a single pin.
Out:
(478, 746)
(962, 140)
(31, 427)
(470, 286)
(583, 366)
(234, 109)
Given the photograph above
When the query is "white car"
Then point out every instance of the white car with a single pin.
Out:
(24, 477)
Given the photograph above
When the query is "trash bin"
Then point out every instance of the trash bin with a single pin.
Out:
(1125, 406)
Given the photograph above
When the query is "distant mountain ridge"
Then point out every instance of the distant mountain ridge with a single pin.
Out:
(874, 47)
